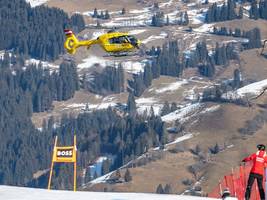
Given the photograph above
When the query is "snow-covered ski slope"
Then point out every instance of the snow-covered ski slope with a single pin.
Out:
(20, 193)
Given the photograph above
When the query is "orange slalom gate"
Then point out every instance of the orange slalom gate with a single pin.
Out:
(236, 182)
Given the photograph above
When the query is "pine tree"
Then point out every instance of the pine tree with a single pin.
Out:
(87, 176)
(167, 21)
(95, 175)
(240, 13)
(167, 189)
(95, 14)
(131, 105)
(102, 16)
(263, 9)
(107, 16)
(237, 78)
(185, 19)
(123, 11)
(166, 109)
(127, 176)
(105, 166)
(118, 174)
(148, 76)
(254, 11)
(156, 5)
(231, 9)
(173, 107)
(159, 189)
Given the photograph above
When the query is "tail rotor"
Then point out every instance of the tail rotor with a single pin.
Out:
(71, 43)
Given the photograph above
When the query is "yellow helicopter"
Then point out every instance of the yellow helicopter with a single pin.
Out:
(112, 42)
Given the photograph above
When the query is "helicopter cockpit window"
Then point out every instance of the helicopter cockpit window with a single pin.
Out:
(132, 39)
(114, 40)
(118, 40)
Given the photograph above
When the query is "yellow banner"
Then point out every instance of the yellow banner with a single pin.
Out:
(64, 154)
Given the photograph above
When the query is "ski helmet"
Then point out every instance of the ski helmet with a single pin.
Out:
(261, 147)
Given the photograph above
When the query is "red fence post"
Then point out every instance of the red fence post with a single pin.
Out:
(220, 185)
(232, 175)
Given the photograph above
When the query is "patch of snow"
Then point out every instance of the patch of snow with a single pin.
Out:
(145, 104)
(44, 64)
(137, 31)
(91, 12)
(173, 16)
(152, 38)
(172, 87)
(102, 105)
(178, 140)
(80, 106)
(181, 139)
(134, 67)
(205, 28)
(23, 193)
(182, 113)
(253, 89)
(166, 4)
(145, 10)
(191, 94)
(101, 179)
(237, 40)
(211, 109)
(149, 100)
(97, 166)
(96, 34)
(147, 108)
(197, 16)
(35, 3)
(91, 61)
(191, 4)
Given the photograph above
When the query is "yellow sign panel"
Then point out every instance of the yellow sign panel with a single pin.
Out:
(64, 154)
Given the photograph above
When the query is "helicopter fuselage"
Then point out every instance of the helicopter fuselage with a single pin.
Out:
(115, 42)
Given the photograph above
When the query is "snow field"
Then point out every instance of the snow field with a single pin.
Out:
(35, 3)
(20, 193)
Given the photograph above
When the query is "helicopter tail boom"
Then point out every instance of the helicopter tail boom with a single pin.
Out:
(72, 43)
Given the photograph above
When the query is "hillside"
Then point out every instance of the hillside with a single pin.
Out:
(182, 110)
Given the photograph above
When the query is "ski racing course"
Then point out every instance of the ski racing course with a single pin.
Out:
(23, 193)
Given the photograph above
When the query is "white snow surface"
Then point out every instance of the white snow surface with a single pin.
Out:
(102, 105)
(36, 2)
(205, 28)
(197, 16)
(155, 37)
(137, 31)
(172, 87)
(145, 104)
(44, 64)
(178, 140)
(133, 67)
(211, 109)
(96, 34)
(91, 61)
(129, 66)
(182, 113)
(251, 89)
(20, 193)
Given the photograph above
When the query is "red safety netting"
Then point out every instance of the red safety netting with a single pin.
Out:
(236, 182)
